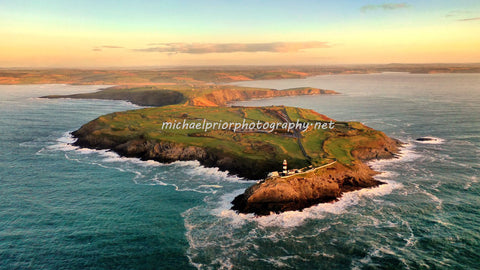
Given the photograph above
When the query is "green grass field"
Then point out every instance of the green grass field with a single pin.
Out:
(322, 145)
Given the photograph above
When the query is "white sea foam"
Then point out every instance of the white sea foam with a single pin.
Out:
(411, 240)
(434, 198)
(193, 176)
(112, 157)
(64, 143)
(213, 186)
(206, 229)
(195, 169)
(407, 153)
(296, 218)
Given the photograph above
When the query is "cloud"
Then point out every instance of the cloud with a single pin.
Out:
(469, 19)
(462, 15)
(386, 6)
(111, 47)
(458, 13)
(203, 48)
(100, 48)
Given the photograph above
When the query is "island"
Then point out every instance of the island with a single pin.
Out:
(325, 157)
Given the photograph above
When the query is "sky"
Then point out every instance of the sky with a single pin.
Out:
(108, 33)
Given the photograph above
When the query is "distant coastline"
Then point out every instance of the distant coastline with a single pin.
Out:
(212, 74)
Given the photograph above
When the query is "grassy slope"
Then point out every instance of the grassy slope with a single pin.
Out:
(322, 145)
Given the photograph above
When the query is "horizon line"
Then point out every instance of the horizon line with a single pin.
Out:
(232, 66)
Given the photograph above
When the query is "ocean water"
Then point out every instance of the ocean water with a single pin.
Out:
(67, 208)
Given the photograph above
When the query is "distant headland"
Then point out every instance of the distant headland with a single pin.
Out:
(211, 74)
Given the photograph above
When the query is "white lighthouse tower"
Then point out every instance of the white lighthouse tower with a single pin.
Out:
(285, 170)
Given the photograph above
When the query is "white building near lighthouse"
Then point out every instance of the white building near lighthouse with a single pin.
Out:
(284, 172)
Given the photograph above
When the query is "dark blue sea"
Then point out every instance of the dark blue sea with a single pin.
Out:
(62, 207)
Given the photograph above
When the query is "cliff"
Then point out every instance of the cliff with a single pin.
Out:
(327, 184)
(168, 151)
(225, 96)
(252, 154)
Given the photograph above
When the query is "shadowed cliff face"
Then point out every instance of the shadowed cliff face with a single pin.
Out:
(250, 155)
(144, 98)
(90, 136)
(167, 152)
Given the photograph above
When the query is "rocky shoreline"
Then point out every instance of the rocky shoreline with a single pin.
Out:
(270, 195)
(257, 155)
(168, 152)
(327, 184)
(276, 195)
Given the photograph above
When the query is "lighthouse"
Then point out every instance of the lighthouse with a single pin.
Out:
(285, 171)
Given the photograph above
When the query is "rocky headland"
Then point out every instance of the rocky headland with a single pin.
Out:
(339, 154)
(296, 192)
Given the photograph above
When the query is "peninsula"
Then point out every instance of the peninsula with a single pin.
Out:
(195, 95)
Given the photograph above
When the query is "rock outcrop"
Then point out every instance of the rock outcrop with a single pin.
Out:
(296, 193)
(327, 184)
